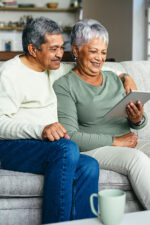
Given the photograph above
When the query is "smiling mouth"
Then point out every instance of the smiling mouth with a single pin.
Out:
(96, 64)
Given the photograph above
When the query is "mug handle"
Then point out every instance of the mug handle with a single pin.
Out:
(92, 204)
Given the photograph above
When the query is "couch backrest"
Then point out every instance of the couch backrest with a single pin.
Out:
(139, 70)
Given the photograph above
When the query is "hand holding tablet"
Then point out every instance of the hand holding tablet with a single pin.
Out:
(135, 112)
(119, 110)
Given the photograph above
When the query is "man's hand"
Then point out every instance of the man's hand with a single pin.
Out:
(128, 140)
(135, 112)
(129, 84)
(54, 131)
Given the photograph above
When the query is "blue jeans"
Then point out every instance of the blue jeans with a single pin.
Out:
(69, 177)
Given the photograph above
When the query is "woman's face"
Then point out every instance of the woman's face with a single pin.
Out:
(91, 56)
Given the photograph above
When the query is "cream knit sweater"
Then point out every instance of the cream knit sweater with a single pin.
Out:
(27, 100)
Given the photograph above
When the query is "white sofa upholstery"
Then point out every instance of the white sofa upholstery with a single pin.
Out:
(21, 193)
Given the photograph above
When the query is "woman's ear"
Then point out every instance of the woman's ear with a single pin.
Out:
(75, 51)
(32, 50)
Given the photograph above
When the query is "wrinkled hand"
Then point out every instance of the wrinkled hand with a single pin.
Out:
(129, 84)
(54, 131)
(128, 140)
(135, 111)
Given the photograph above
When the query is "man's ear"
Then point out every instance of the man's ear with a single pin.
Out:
(75, 51)
(32, 50)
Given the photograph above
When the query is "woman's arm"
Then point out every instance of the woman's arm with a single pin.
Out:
(127, 140)
(136, 115)
(67, 114)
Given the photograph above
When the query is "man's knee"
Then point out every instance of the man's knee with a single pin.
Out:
(90, 166)
(67, 150)
(72, 152)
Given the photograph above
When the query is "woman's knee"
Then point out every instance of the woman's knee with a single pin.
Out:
(135, 160)
(140, 157)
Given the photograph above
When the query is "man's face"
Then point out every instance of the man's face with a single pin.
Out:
(50, 55)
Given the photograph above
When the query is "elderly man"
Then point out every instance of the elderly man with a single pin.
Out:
(31, 138)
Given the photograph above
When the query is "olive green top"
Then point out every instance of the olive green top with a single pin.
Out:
(81, 109)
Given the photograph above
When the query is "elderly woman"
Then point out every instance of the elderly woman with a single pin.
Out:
(85, 94)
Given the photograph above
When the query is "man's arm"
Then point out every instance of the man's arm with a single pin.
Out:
(128, 82)
(12, 127)
(10, 101)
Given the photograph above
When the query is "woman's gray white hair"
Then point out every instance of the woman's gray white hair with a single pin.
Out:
(84, 31)
(34, 32)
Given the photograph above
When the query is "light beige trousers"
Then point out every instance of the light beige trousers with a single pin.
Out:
(132, 162)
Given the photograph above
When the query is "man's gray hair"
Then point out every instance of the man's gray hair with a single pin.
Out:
(84, 31)
(34, 32)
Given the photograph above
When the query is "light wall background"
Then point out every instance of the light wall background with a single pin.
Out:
(139, 37)
(125, 22)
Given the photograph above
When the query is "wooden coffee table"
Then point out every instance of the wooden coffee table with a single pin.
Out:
(136, 218)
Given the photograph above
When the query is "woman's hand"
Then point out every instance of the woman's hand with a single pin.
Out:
(54, 131)
(129, 83)
(135, 111)
(128, 140)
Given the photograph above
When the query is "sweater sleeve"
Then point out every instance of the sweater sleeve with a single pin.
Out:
(67, 114)
(10, 101)
(138, 127)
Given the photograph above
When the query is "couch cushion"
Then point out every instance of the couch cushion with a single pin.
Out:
(20, 184)
(20, 203)
(17, 184)
(111, 179)
(116, 67)
(19, 216)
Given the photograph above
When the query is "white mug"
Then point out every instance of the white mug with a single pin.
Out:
(111, 204)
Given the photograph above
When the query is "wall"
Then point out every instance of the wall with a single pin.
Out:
(116, 16)
(139, 30)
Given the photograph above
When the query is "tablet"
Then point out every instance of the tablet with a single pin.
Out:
(119, 110)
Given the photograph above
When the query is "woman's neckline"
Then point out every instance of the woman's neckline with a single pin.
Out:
(87, 83)
(90, 83)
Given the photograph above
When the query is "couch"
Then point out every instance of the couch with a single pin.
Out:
(21, 193)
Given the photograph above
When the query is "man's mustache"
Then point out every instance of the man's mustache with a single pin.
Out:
(58, 59)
